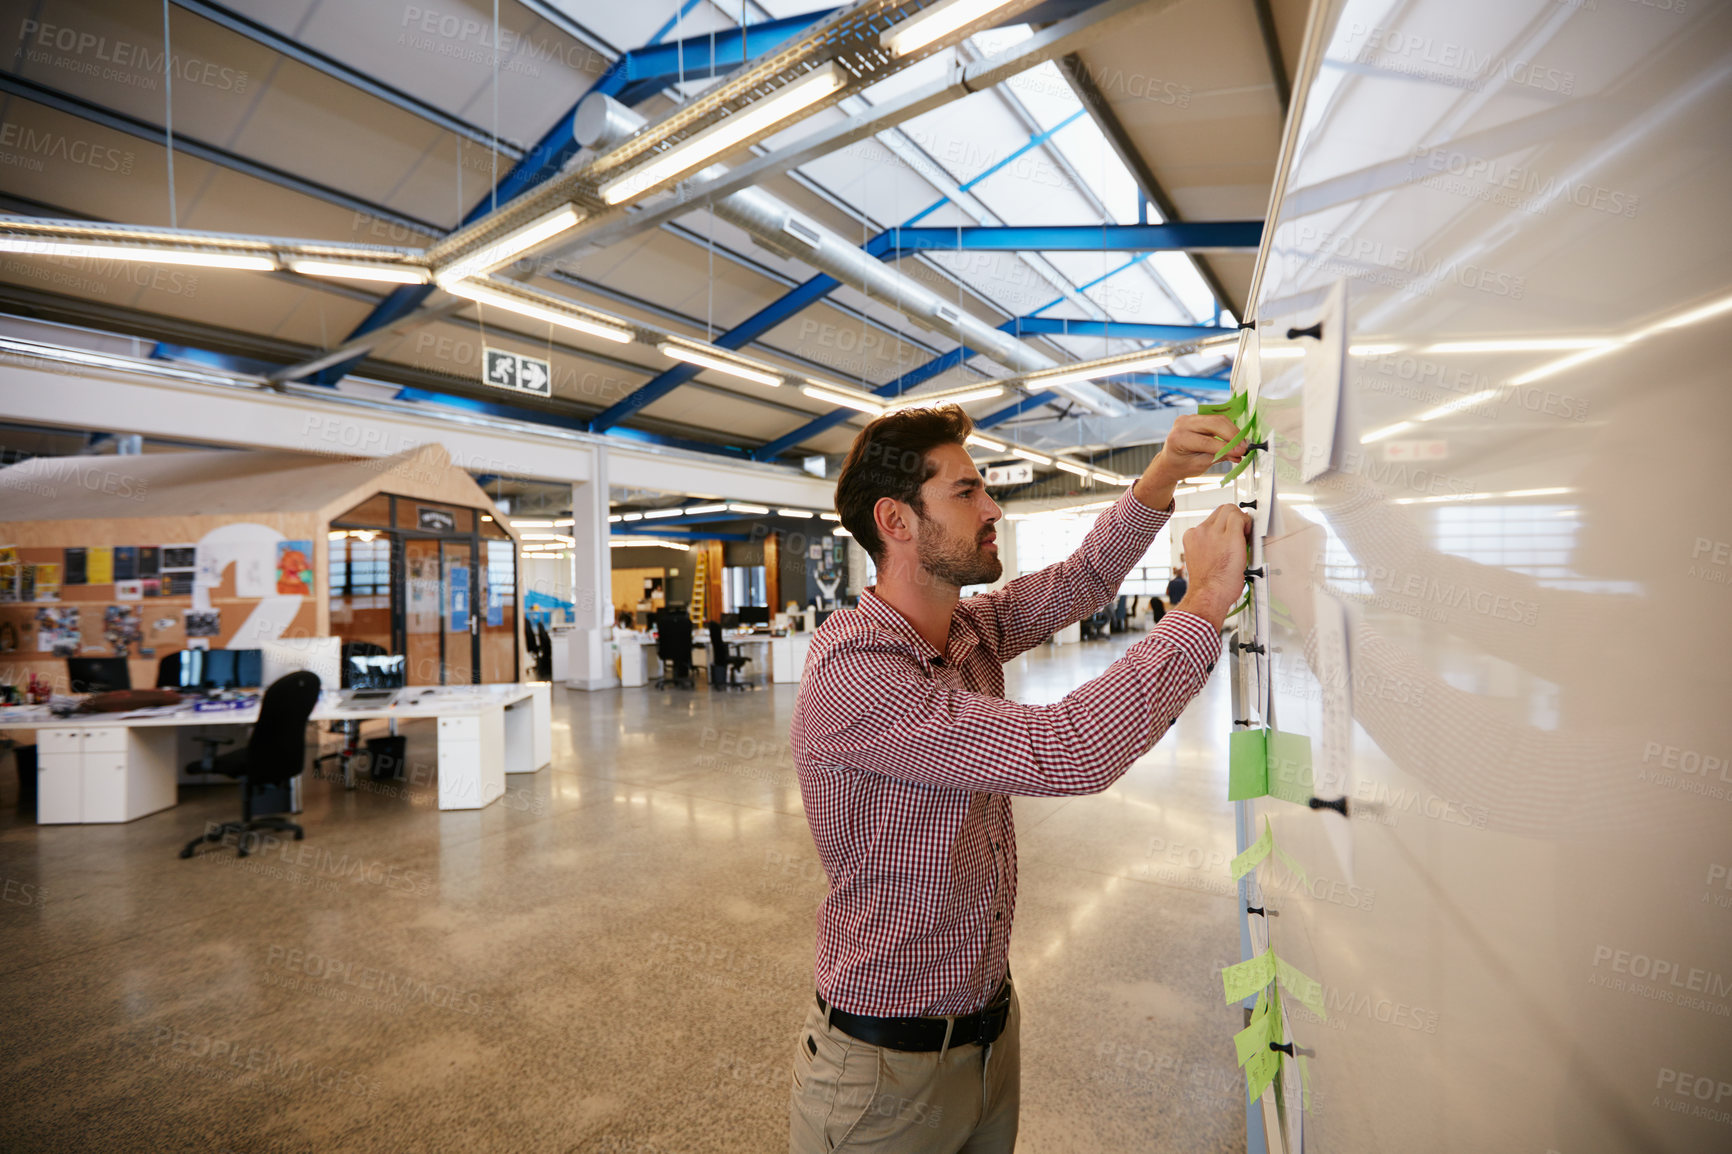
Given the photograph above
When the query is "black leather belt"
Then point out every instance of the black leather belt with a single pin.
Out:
(923, 1034)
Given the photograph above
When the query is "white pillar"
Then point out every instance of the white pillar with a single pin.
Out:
(591, 642)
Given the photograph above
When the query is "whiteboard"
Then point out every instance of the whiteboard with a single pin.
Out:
(1524, 926)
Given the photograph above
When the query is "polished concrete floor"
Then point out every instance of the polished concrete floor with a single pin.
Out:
(614, 958)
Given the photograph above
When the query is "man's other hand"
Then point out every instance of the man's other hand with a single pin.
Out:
(1215, 558)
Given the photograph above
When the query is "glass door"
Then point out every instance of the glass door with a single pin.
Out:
(461, 627)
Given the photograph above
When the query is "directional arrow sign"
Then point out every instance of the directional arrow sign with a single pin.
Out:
(534, 376)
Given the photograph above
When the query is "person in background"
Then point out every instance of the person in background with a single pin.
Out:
(908, 755)
(1178, 586)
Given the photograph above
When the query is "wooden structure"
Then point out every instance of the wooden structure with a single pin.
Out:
(142, 556)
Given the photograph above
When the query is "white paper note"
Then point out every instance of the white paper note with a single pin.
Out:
(1325, 373)
(1333, 769)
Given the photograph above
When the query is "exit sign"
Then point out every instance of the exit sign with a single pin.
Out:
(1020, 474)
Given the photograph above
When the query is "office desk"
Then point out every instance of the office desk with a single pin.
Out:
(115, 767)
(760, 645)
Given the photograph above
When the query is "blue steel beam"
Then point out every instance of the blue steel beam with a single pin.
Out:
(1034, 401)
(1175, 236)
(650, 69)
(744, 333)
(940, 364)
(1056, 326)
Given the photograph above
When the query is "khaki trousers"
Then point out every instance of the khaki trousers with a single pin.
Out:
(849, 1095)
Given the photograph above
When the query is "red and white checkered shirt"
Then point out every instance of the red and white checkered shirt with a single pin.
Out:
(908, 759)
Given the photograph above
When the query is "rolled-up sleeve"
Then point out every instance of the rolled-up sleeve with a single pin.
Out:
(914, 728)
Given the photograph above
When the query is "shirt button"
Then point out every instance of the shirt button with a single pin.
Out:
(998, 916)
(1210, 668)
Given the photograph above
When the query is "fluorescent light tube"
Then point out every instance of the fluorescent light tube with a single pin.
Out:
(693, 510)
(980, 394)
(1072, 467)
(652, 514)
(511, 245)
(806, 513)
(849, 400)
(614, 519)
(831, 516)
(632, 517)
(841, 532)
(739, 507)
(481, 294)
(1112, 478)
(935, 23)
(985, 443)
(720, 364)
(1028, 456)
(726, 134)
(355, 270)
(31, 246)
(1090, 373)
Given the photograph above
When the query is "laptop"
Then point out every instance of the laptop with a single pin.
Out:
(369, 698)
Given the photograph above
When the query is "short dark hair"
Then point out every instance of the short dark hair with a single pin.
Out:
(889, 459)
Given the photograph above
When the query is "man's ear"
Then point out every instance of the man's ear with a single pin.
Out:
(893, 520)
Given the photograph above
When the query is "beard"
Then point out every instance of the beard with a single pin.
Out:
(957, 560)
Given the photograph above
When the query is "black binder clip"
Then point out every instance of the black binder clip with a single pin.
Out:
(1315, 332)
(1250, 573)
(1247, 504)
(1243, 721)
(1249, 647)
(1243, 325)
(1255, 910)
(1257, 446)
(1339, 804)
(1285, 1047)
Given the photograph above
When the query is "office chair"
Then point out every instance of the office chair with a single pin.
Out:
(722, 658)
(273, 754)
(351, 730)
(543, 653)
(674, 647)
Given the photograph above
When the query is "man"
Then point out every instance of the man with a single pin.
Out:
(908, 755)
(1177, 587)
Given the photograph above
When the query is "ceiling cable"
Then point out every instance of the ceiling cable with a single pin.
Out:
(168, 113)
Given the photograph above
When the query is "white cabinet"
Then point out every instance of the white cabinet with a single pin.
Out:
(103, 773)
(472, 759)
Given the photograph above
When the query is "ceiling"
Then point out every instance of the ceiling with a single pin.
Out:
(359, 121)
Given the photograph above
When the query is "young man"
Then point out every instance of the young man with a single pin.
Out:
(908, 755)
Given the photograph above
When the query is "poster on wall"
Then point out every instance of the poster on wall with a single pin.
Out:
(75, 562)
(459, 599)
(129, 590)
(495, 606)
(44, 579)
(255, 569)
(125, 562)
(295, 567)
(99, 566)
(203, 622)
(149, 561)
(423, 612)
(11, 572)
(122, 628)
(57, 631)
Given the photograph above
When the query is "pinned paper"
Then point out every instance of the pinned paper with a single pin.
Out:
(1243, 979)
(1325, 373)
(1333, 667)
(99, 566)
(1256, 852)
(1260, 1070)
(1249, 366)
(1257, 1035)
(1307, 989)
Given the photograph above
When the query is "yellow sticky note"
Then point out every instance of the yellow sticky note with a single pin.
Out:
(1246, 978)
(1256, 852)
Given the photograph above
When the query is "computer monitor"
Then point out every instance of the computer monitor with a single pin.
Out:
(378, 671)
(730, 621)
(754, 615)
(98, 674)
(202, 670)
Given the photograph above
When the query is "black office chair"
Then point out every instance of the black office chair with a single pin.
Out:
(543, 653)
(274, 753)
(674, 647)
(722, 658)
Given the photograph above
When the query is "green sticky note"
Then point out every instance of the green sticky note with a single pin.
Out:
(1255, 1038)
(1260, 1070)
(1244, 462)
(1289, 762)
(1256, 852)
(1247, 764)
(1246, 978)
(1307, 989)
(1243, 601)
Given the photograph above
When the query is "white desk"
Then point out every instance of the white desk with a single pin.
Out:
(114, 767)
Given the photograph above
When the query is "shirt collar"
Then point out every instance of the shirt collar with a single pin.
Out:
(962, 632)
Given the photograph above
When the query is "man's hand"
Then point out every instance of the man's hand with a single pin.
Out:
(1189, 451)
(1215, 555)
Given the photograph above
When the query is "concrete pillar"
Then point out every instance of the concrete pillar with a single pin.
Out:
(591, 641)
